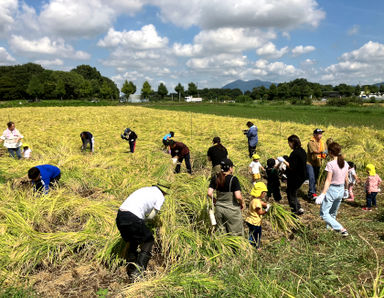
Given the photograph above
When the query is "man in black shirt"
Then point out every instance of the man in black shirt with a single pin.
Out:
(87, 138)
(216, 154)
(131, 137)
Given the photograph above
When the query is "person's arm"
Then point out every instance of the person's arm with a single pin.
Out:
(260, 211)
(152, 214)
(313, 148)
(327, 183)
(239, 198)
(261, 167)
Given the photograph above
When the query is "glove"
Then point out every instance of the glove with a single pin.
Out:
(346, 194)
(319, 199)
(174, 160)
(281, 159)
(268, 207)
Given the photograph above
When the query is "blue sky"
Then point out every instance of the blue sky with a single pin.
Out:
(210, 43)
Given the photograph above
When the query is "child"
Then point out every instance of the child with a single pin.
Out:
(371, 187)
(254, 168)
(352, 179)
(26, 151)
(166, 140)
(255, 213)
(273, 184)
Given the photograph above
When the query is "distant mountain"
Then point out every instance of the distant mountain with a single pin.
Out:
(379, 84)
(247, 85)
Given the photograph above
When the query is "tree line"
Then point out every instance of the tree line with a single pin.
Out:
(31, 81)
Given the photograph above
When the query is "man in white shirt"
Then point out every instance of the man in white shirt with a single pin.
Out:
(12, 140)
(141, 205)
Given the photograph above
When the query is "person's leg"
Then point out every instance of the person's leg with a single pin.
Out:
(276, 194)
(251, 235)
(234, 222)
(178, 165)
(293, 200)
(18, 152)
(92, 144)
(374, 194)
(369, 200)
(251, 150)
(258, 236)
(316, 171)
(312, 181)
(220, 219)
(350, 191)
(54, 182)
(187, 160)
(330, 204)
(11, 152)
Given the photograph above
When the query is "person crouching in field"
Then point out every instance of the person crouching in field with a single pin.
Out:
(44, 176)
(131, 137)
(255, 213)
(142, 205)
(229, 201)
(255, 167)
(334, 187)
(87, 138)
(372, 187)
(181, 152)
(166, 140)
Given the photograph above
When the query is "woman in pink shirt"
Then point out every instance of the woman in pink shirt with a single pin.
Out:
(334, 187)
(372, 187)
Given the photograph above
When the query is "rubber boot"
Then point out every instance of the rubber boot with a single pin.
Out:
(141, 264)
(131, 258)
(177, 169)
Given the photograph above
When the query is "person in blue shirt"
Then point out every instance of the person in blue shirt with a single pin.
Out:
(166, 140)
(44, 176)
(253, 139)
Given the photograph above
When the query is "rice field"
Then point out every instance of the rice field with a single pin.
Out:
(66, 243)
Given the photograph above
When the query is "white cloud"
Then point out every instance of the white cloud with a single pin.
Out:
(54, 62)
(308, 62)
(146, 38)
(77, 18)
(45, 46)
(354, 30)
(263, 69)
(283, 14)
(187, 50)
(269, 51)
(363, 65)
(7, 10)
(300, 50)
(221, 61)
(5, 57)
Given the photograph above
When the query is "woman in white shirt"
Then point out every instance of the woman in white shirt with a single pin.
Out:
(12, 140)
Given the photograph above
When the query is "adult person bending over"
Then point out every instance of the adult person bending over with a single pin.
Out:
(229, 201)
(44, 176)
(296, 172)
(141, 205)
(12, 140)
(315, 155)
(181, 152)
(87, 138)
(252, 138)
(216, 154)
(334, 188)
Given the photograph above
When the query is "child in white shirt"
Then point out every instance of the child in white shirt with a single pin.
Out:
(352, 179)
(26, 152)
(255, 167)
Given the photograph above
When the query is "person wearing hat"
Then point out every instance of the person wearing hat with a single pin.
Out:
(252, 135)
(216, 154)
(87, 138)
(255, 167)
(229, 201)
(131, 137)
(255, 213)
(315, 155)
(372, 187)
(166, 140)
(181, 152)
(143, 204)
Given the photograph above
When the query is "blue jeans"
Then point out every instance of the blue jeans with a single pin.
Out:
(13, 151)
(254, 235)
(313, 175)
(330, 206)
(371, 199)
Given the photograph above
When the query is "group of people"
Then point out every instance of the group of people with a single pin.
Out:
(143, 204)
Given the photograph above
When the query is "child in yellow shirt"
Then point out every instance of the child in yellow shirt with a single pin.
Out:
(255, 213)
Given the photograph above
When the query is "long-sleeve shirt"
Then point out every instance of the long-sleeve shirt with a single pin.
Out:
(373, 183)
(296, 172)
(252, 136)
(47, 173)
(130, 136)
(87, 136)
(10, 138)
(180, 149)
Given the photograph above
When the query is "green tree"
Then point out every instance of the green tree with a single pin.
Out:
(317, 91)
(146, 90)
(128, 88)
(180, 90)
(35, 88)
(162, 90)
(60, 89)
(272, 94)
(192, 89)
(381, 88)
(105, 91)
(283, 91)
(306, 91)
(374, 88)
(357, 90)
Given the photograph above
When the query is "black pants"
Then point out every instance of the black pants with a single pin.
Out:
(293, 200)
(275, 191)
(133, 230)
(132, 146)
(187, 160)
(251, 150)
(39, 185)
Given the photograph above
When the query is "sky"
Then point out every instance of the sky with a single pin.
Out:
(208, 42)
